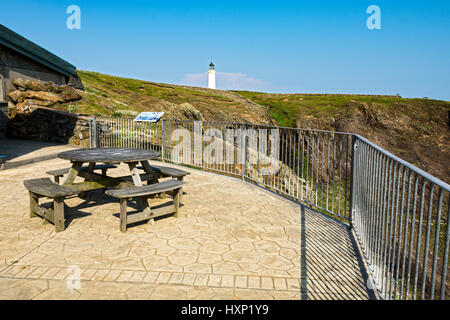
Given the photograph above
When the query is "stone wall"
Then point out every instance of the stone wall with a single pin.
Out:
(33, 119)
(3, 119)
(45, 124)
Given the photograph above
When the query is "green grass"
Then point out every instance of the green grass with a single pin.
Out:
(105, 94)
(287, 108)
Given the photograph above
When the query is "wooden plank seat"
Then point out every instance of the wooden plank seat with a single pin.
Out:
(169, 172)
(44, 187)
(58, 173)
(145, 192)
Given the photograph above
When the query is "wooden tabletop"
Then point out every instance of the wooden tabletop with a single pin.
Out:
(109, 155)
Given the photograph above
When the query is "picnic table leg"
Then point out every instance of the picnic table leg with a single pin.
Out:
(73, 173)
(135, 174)
(176, 201)
(34, 203)
(90, 169)
(58, 209)
(141, 202)
(181, 190)
(123, 215)
(148, 169)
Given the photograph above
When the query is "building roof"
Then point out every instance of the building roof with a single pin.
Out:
(31, 50)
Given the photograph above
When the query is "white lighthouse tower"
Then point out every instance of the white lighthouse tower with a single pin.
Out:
(211, 76)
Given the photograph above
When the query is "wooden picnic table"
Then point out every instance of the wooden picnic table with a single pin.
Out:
(128, 187)
(95, 181)
(131, 157)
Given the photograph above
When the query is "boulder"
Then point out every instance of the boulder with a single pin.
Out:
(32, 85)
(65, 93)
(190, 112)
(22, 106)
(16, 95)
(68, 93)
(45, 96)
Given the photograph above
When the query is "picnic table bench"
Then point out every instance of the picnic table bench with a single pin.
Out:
(147, 213)
(58, 173)
(124, 188)
(44, 187)
(169, 172)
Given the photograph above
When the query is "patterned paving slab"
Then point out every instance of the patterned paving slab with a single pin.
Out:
(232, 240)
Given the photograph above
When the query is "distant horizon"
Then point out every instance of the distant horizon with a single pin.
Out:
(274, 47)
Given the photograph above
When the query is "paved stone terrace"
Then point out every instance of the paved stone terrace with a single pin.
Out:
(23, 152)
(232, 240)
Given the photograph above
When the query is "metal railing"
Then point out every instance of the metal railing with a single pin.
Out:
(400, 216)
(397, 211)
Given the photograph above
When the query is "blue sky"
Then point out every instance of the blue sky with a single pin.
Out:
(273, 46)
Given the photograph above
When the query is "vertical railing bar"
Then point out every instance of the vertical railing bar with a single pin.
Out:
(317, 168)
(369, 199)
(400, 233)
(340, 181)
(419, 239)
(408, 204)
(352, 183)
(363, 208)
(286, 162)
(366, 200)
(303, 165)
(292, 164)
(436, 244)
(382, 164)
(394, 235)
(313, 163)
(445, 259)
(381, 194)
(391, 167)
(328, 169)
(373, 231)
(346, 178)
(427, 240)
(411, 241)
(278, 178)
(373, 204)
(323, 177)
(380, 261)
(334, 172)
(392, 225)
(299, 183)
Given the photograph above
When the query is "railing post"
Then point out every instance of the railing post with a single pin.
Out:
(244, 151)
(93, 139)
(353, 180)
(163, 140)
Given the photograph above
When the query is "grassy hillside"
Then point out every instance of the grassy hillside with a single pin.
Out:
(115, 96)
(416, 130)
